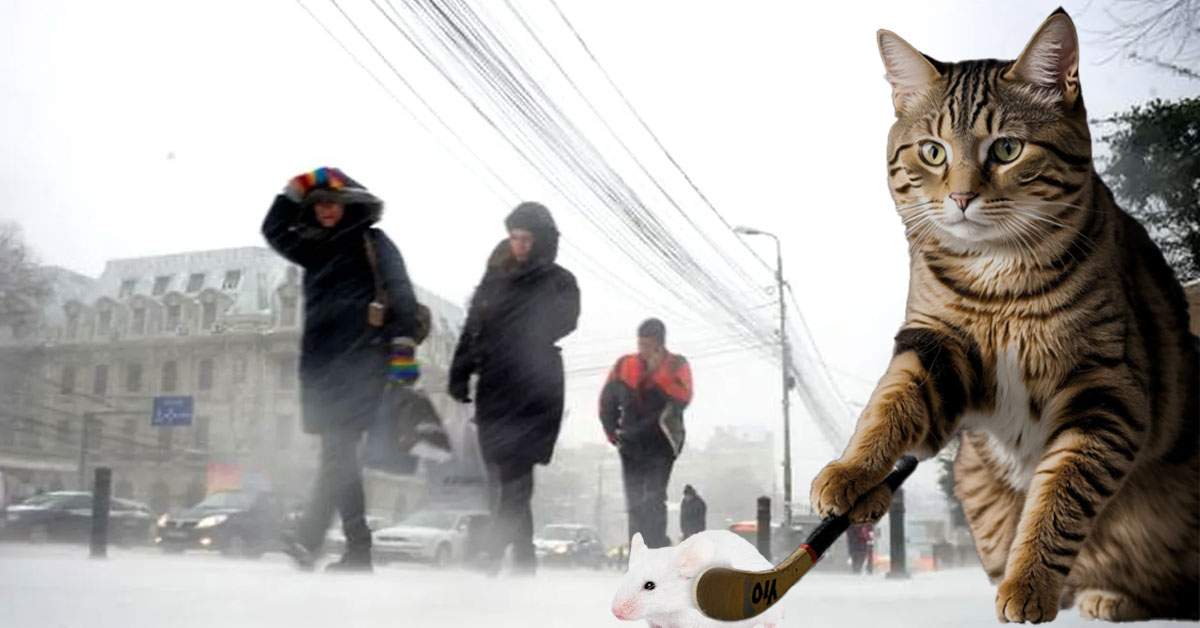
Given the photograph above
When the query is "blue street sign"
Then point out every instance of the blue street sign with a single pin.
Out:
(172, 411)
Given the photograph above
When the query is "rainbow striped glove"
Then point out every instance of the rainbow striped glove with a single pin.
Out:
(403, 367)
(324, 177)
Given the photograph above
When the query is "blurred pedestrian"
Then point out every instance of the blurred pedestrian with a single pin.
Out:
(641, 411)
(359, 321)
(860, 538)
(693, 512)
(523, 306)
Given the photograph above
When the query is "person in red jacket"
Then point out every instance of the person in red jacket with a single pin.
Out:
(641, 410)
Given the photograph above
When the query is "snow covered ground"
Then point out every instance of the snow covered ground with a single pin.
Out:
(56, 587)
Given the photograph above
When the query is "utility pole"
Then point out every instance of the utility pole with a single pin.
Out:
(84, 437)
(785, 373)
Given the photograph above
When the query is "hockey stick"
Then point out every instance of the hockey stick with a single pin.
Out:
(732, 595)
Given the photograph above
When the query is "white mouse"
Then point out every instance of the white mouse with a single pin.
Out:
(659, 583)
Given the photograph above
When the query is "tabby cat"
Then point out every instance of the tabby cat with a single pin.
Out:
(1045, 332)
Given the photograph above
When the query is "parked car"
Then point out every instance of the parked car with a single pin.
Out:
(439, 537)
(66, 516)
(335, 539)
(236, 523)
(569, 544)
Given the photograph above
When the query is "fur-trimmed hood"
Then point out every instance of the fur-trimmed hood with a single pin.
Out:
(536, 219)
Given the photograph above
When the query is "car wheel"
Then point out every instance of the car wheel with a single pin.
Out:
(441, 558)
(235, 546)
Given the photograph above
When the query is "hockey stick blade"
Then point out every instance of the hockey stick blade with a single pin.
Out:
(732, 595)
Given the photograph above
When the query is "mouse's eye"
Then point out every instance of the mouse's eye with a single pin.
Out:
(649, 586)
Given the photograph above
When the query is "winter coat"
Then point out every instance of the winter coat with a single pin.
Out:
(642, 411)
(343, 360)
(692, 515)
(517, 314)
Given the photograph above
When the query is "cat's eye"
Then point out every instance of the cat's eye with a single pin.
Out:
(649, 586)
(932, 153)
(1006, 149)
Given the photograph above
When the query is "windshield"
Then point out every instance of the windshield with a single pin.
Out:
(558, 533)
(227, 499)
(430, 519)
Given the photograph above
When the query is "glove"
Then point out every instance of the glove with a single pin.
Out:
(459, 391)
(324, 177)
(403, 367)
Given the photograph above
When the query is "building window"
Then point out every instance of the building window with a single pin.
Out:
(170, 376)
(127, 288)
(209, 315)
(133, 378)
(200, 433)
(67, 386)
(232, 279)
(72, 326)
(283, 431)
(138, 326)
(173, 316)
(63, 433)
(287, 374)
(105, 322)
(129, 437)
(161, 283)
(205, 381)
(95, 434)
(288, 316)
(239, 369)
(195, 282)
(100, 385)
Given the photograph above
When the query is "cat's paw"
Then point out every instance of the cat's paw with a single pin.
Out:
(871, 507)
(838, 486)
(1032, 596)
(1109, 606)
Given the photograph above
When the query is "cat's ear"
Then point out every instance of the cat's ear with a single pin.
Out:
(1051, 59)
(909, 71)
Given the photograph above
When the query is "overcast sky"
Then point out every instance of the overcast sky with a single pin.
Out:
(140, 128)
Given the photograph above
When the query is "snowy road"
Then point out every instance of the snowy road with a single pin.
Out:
(55, 587)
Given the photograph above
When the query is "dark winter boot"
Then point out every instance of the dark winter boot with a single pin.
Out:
(353, 561)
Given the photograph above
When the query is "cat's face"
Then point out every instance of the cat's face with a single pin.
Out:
(989, 155)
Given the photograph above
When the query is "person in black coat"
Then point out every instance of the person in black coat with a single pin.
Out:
(523, 306)
(693, 512)
(323, 222)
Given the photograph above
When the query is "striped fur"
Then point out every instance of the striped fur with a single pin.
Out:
(1046, 334)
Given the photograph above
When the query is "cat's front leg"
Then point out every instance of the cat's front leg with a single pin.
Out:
(1098, 427)
(934, 374)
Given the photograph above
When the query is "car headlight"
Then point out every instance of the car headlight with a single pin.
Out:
(163, 520)
(561, 549)
(212, 520)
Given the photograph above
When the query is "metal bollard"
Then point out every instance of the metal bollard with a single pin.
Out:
(896, 525)
(764, 527)
(101, 502)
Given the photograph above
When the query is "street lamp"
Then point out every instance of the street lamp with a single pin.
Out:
(785, 366)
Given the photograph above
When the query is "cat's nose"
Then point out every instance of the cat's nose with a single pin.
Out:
(962, 199)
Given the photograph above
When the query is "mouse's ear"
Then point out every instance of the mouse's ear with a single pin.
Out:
(636, 546)
(694, 555)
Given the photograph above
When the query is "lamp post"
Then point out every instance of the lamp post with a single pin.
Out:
(785, 378)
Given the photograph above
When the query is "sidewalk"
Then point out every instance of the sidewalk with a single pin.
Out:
(56, 587)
